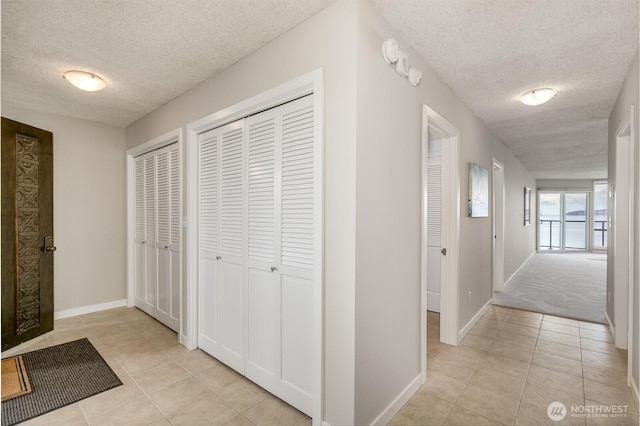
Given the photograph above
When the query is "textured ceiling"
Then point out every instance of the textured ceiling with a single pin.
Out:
(148, 51)
(491, 51)
(488, 51)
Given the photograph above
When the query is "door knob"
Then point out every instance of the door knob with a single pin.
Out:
(444, 251)
(273, 269)
(218, 257)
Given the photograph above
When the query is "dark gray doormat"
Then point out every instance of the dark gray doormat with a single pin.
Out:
(60, 375)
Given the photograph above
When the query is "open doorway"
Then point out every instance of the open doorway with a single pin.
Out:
(440, 225)
(497, 258)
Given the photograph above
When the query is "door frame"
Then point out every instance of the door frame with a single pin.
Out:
(497, 278)
(451, 229)
(174, 136)
(623, 325)
(310, 83)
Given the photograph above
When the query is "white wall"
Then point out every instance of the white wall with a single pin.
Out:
(88, 208)
(326, 41)
(629, 95)
(519, 240)
(388, 214)
(565, 184)
(372, 193)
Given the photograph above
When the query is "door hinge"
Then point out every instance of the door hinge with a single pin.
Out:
(444, 251)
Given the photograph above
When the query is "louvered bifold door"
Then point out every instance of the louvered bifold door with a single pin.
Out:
(139, 233)
(167, 211)
(434, 221)
(296, 255)
(222, 248)
(263, 284)
(149, 242)
(174, 237)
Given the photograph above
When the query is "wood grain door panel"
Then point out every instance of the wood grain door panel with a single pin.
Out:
(27, 229)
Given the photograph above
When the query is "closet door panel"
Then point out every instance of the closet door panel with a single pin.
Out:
(162, 218)
(208, 329)
(263, 130)
(139, 215)
(297, 185)
(263, 326)
(297, 344)
(208, 230)
(174, 237)
(151, 251)
(232, 324)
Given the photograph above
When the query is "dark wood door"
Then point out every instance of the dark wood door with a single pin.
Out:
(27, 232)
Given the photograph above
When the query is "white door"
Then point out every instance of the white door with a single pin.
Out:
(257, 218)
(281, 251)
(434, 223)
(157, 234)
(497, 270)
(145, 238)
(168, 222)
(221, 257)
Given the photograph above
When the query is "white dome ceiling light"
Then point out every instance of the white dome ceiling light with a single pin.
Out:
(84, 80)
(537, 97)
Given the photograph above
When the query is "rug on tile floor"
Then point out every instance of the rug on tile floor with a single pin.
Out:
(15, 381)
(60, 375)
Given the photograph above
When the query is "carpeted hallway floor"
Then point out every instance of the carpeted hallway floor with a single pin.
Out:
(570, 285)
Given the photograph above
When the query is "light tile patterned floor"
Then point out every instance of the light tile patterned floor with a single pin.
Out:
(164, 383)
(512, 365)
(507, 370)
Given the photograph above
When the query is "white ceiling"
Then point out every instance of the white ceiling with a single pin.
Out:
(491, 51)
(487, 51)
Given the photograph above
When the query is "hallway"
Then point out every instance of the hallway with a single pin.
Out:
(512, 365)
(570, 285)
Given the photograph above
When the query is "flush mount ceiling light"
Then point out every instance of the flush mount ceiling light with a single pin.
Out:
(537, 97)
(84, 80)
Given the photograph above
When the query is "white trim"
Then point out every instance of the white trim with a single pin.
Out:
(612, 329)
(519, 268)
(634, 390)
(304, 85)
(450, 236)
(174, 136)
(473, 321)
(67, 313)
(399, 401)
(494, 226)
(622, 340)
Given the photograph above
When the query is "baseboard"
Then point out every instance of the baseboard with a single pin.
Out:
(518, 270)
(634, 391)
(395, 406)
(610, 324)
(89, 309)
(474, 320)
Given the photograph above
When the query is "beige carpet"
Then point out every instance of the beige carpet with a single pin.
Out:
(571, 285)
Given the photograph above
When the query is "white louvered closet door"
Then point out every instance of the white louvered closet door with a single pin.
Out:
(256, 243)
(168, 222)
(139, 241)
(157, 234)
(222, 248)
(280, 250)
(434, 220)
(149, 284)
(296, 224)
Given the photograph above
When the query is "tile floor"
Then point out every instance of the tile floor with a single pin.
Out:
(512, 365)
(507, 370)
(164, 383)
